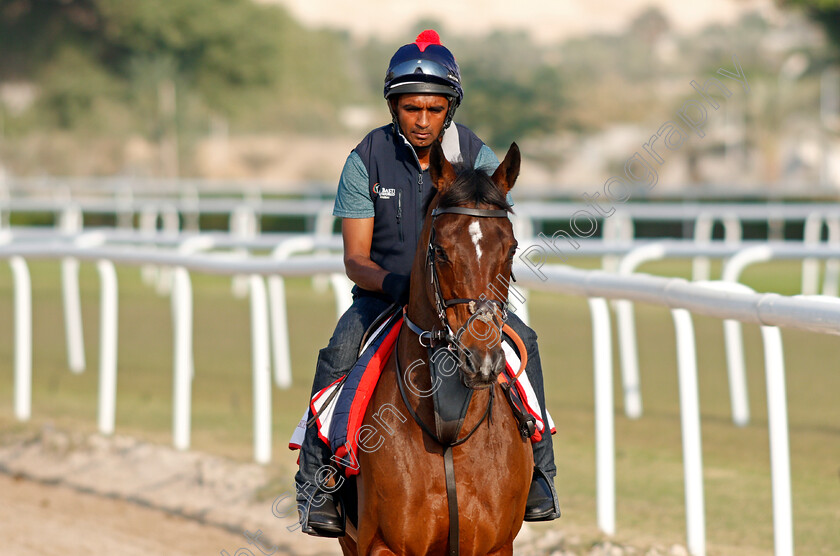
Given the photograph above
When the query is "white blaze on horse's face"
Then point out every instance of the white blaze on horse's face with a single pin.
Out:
(475, 234)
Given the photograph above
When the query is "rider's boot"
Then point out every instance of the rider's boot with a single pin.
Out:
(319, 508)
(542, 502)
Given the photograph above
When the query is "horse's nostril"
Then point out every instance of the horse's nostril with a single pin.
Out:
(469, 361)
(499, 362)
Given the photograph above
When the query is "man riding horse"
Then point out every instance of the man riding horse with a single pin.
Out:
(383, 190)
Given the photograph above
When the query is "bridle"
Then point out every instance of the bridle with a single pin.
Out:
(483, 309)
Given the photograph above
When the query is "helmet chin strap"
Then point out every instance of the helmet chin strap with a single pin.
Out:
(450, 113)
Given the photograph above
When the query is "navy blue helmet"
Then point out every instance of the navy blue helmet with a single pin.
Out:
(425, 67)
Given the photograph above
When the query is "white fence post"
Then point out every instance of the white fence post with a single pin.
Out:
(182, 325)
(261, 370)
(342, 287)
(779, 446)
(182, 314)
(733, 337)
(243, 224)
(703, 225)
(733, 232)
(618, 227)
(148, 227)
(107, 347)
(280, 332)
(23, 338)
(171, 225)
(691, 440)
(627, 343)
(192, 214)
(810, 266)
(124, 198)
(278, 312)
(604, 425)
(323, 229)
(70, 223)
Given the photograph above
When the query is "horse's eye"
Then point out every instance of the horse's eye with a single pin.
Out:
(512, 252)
(440, 253)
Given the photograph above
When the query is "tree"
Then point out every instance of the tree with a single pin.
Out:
(825, 12)
(235, 55)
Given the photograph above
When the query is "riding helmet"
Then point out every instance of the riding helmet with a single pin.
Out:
(425, 66)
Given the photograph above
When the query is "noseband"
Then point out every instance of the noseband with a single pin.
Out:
(478, 308)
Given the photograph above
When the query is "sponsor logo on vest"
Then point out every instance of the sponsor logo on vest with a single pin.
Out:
(384, 192)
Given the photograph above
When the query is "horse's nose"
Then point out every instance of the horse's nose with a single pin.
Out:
(486, 365)
(494, 363)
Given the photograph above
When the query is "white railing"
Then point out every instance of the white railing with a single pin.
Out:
(716, 299)
(126, 203)
(105, 258)
(738, 258)
(175, 187)
(720, 300)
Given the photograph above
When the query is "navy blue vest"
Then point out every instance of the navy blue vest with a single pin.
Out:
(400, 190)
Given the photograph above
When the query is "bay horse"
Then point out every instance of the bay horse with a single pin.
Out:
(404, 504)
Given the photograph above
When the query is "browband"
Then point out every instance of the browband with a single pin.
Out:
(471, 212)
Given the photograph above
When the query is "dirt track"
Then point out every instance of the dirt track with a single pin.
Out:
(45, 520)
(68, 494)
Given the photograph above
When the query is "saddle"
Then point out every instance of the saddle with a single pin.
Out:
(339, 409)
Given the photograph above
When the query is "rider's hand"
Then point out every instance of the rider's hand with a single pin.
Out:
(396, 286)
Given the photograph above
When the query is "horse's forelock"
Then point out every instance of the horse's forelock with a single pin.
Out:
(473, 187)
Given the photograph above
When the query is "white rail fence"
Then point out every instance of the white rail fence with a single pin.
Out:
(723, 300)
(715, 299)
(185, 210)
(738, 258)
(184, 262)
(631, 255)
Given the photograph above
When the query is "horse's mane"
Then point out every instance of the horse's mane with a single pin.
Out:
(472, 187)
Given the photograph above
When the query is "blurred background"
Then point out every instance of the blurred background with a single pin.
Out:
(209, 115)
(280, 90)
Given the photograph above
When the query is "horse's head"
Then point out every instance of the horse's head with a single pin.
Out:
(467, 260)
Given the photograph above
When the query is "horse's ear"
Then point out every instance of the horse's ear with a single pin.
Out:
(507, 172)
(440, 170)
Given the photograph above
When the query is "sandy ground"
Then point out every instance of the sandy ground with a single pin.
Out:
(42, 520)
(70, 494)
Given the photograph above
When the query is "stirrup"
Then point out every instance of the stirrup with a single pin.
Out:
(542, 504)
(324, 520)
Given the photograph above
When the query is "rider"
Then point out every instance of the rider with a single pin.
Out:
(383, 188)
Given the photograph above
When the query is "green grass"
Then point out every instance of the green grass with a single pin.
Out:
(648, 451)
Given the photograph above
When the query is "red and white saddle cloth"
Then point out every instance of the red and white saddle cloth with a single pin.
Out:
(341, 406)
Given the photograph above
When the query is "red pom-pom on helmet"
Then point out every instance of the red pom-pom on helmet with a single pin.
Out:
(427, 37)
